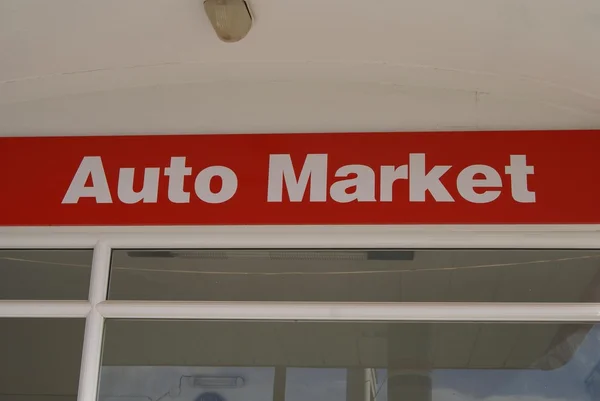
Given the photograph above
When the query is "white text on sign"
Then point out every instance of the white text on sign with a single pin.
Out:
(478, 183)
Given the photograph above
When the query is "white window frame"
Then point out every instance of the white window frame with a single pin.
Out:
(104, 239)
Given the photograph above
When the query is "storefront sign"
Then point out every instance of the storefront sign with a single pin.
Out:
(542, 177)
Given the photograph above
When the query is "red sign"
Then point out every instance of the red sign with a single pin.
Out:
(539, 177)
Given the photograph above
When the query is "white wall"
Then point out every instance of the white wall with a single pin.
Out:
(146, 66)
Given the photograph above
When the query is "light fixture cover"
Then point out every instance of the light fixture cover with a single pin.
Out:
(281, 254)
(231, 19)
(218, 381)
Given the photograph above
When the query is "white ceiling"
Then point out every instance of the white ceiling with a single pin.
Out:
(145, 66)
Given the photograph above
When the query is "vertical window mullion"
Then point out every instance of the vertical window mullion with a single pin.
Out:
(94, 327)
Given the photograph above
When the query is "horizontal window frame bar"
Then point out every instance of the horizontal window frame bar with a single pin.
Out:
(44, 309)
(385, 312)
(308, 311)
(415, 237)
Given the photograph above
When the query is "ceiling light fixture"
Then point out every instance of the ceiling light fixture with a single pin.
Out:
(231, 19)
(301, 254)
(218, 381)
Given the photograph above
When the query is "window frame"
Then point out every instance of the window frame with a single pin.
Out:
(104, 239)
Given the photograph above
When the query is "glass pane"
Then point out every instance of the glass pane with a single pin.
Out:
(45, 274)
(357, 275)
(291, 361)
(40, 359)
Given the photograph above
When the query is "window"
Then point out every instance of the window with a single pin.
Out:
(258, 317)
(326, 361)
(40, 359)
(45, 274)
(356, 275)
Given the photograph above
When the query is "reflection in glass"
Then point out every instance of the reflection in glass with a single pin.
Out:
(45, 274)
(40, 359)
(277, 361)
(357, 275)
